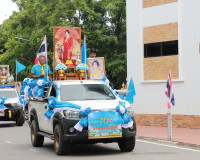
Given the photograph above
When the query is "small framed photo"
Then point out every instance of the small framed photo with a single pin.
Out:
(4, 71)
(18, 86)
(96, 67)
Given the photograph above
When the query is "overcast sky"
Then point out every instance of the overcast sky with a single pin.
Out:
(6, 9)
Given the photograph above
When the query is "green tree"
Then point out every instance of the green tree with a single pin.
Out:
(103, 22)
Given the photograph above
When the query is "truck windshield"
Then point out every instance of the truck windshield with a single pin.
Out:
(78, 92)
(8, 93)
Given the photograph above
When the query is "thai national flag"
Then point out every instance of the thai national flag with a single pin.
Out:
(168, 92)
(42, 51)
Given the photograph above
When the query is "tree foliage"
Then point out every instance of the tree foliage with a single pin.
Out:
(102, 21)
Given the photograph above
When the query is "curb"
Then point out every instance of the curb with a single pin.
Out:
(167, 142)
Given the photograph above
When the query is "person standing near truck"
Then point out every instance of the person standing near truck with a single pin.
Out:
(93, 53)
(39, 71)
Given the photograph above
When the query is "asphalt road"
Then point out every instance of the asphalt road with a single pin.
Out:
(15, 145)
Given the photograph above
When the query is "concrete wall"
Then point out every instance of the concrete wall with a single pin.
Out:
(150, 97)
(189, 40)
(161, 14)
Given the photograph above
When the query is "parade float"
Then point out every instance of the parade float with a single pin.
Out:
(11, 104)
(83, 110)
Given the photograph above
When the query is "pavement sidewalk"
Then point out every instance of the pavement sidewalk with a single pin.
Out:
(184, 135)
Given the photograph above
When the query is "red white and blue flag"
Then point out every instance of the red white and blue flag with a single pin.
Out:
(168, 92)
(42, 51)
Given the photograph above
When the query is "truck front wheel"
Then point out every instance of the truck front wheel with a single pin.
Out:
(127, 144)
(20, 118)
(36, 140)
(60, 146)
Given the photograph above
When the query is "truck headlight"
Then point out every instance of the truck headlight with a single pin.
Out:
(14, 104)
(71, 114)
(130, 111)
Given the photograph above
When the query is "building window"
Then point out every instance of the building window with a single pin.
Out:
(161, 49)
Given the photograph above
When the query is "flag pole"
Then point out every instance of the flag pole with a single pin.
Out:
(16, 71)
(46, 56)
(85, 47)
(85, 54)
(169, 121)
(169, 115)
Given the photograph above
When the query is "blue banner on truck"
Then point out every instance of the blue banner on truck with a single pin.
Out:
(104, 124)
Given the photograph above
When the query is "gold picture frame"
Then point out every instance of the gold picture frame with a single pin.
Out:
(96, 68)
(18, 86)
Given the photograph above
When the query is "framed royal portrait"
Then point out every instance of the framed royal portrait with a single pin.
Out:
(96, 67)
(4, 71)
(67, 45)
(18, 86)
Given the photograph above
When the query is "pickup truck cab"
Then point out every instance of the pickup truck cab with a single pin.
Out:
(14, 109)
(94, 94)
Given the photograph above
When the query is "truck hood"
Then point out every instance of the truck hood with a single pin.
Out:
(12, 100)
(98, 104)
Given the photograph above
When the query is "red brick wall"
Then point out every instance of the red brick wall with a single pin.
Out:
(157, 68)
(160, 33)
(190, 121)
(151, 3)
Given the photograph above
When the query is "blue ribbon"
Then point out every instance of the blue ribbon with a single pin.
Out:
(84, 120)
(2, 99)
(22, 90)
(22, 100)
(26, 82)
(125, 117)
(40, 90)
(53, 103)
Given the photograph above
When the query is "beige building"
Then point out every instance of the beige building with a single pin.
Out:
(163, 36)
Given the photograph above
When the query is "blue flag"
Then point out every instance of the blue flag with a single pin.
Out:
(131, 92)
(19, 67)
(84, 51)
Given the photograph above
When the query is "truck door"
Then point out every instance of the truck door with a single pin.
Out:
(47, 126)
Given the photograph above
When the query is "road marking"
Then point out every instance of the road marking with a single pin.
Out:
(169, 146)
(33, 150)
(7, 141)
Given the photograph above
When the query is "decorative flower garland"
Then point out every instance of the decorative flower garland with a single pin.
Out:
(82, 66)
(10, 78)
(61, 66)
(3, 81)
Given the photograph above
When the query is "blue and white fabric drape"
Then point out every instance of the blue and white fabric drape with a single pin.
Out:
(58, 106)
(34, 88)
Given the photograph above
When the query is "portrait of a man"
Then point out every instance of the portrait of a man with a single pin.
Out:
(96, 68)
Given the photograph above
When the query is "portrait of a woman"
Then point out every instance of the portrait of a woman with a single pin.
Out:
(96, 72)
(67, 46)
